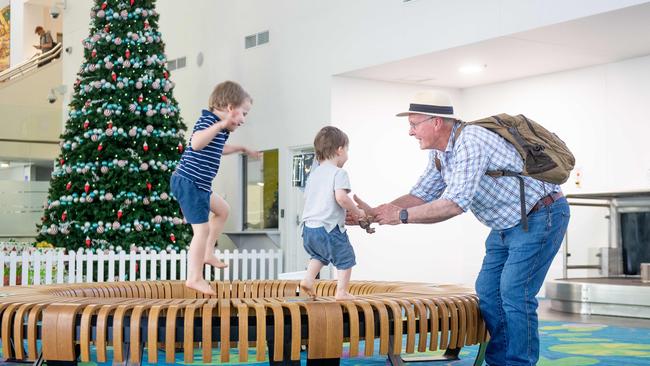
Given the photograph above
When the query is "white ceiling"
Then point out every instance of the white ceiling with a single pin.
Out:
(598, 39)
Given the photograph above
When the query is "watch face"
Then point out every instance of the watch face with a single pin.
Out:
(403, 215)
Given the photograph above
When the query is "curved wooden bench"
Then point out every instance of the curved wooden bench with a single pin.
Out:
(61, 322)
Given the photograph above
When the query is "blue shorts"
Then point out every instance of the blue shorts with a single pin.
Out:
(329, 247)
(194, 202)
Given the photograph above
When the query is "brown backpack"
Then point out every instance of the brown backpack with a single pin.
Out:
(546, 157)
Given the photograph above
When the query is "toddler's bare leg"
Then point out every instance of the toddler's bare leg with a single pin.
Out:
(195, 260)
(307, 284)
(342, 284)
(217, 220)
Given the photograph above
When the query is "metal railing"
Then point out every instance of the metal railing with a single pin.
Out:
(31, 64)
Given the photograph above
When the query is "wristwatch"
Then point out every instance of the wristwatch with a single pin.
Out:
(404, 216)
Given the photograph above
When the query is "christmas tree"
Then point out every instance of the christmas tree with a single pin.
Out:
(123, 139)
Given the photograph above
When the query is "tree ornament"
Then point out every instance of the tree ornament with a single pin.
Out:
(180, 147)
(146, 24)
(87, 241)
(119, 214)
(127, 54)
(64, 215)
(104, 5)
(68, 186)
(100, 229)
(100, 147)
(86, 187)
(113, 76)
(132, 2)
(62, 161)
(86, 124)
(109, 124)
(149, 186)
(164, 98)
(140, 98)
(166, 74)
(145, 147)
(93, 54)
(172, 237)
(107, 28)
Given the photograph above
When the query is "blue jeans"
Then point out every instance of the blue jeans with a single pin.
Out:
(513, 271)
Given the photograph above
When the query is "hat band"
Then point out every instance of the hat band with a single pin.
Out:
(425, 108)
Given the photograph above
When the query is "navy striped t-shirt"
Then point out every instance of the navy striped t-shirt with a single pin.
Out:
(201, 166)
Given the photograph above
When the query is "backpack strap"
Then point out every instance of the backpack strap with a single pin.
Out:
(457, 134)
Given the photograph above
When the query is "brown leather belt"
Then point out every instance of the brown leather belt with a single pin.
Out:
(545, 201)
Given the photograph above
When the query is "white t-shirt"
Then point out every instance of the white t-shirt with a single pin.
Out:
(321, 208)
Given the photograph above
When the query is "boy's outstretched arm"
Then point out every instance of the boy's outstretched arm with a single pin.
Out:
(231, 149)
(344, 201)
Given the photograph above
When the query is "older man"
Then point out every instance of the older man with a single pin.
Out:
(517, 258)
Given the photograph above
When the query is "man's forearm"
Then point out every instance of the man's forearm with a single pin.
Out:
(435, 211)
(408, 200)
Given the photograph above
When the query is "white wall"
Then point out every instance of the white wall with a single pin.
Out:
(291, 81)
(291, 77)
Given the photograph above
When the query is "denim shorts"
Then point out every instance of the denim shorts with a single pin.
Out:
(194, 202)
(333, 247)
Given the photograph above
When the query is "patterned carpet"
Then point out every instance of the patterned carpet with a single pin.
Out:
(562, 344)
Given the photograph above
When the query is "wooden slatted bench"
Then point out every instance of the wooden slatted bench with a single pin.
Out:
(62, 322)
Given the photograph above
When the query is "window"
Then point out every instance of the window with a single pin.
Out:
(261, 191)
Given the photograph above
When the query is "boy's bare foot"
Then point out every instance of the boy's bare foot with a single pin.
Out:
(201, 286)
(307, 287)
(215, 262)
(344, 295)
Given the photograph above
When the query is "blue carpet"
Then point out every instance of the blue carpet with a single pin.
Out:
(562, 344)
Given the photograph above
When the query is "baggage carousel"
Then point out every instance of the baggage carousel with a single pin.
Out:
(627, 297)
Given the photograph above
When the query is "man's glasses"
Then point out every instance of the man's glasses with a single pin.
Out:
(415, 125)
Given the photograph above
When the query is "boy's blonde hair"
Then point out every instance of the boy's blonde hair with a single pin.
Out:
(327, 142)
(227, 93)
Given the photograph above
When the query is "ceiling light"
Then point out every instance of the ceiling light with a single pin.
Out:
(472, 69)
(4, 164)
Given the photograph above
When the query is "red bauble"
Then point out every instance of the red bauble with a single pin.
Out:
(88, 242)
(68, 186)
(132, 2)
(86, 124)
(145, 147)
(127, 54)
(93, 53)
(100, 147)
(113, 76)
(180, 147)
(146, 24)
(140, 98)
(172, 237)
(62, 161)
(109, 124)
(119, 214)
(164, 98)
(149, 186)
(64, 215)
(104, 5)
(86, 187)
(165, 74)
(107, 28)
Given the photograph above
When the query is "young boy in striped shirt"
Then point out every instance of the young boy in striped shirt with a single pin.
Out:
(191, 183)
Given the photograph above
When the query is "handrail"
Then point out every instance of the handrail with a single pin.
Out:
(30, 64)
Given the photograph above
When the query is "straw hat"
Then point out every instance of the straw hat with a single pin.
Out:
(431, 104)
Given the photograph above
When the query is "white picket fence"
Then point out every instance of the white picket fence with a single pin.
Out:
(83, 266)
